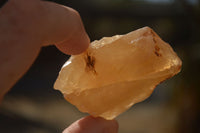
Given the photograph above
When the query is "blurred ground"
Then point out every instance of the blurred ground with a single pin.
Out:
(53, 115)
(32, 106)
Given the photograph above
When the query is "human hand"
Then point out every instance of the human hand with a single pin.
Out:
(90, 124)
(26, 26)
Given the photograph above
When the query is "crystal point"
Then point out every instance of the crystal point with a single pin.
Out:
(117, 72)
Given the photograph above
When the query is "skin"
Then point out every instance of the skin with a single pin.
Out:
(28, 25)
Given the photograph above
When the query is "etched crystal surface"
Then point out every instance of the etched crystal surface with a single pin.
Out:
(117, 72)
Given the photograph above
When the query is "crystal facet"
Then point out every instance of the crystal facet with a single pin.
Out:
(117, 72)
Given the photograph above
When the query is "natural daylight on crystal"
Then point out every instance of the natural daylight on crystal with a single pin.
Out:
(117, 72)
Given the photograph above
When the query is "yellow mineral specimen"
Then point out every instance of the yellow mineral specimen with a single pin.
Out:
(117, 72)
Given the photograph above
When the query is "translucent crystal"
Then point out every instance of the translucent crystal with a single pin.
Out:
(117, 72)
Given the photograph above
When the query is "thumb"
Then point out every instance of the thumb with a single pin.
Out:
(64, 28)
(90, 124)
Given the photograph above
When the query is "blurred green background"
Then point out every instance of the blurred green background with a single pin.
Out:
(32, 106)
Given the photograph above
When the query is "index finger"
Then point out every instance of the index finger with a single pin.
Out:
(64, 28)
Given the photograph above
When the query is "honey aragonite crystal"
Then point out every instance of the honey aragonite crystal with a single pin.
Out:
(117, 72)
